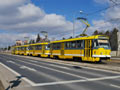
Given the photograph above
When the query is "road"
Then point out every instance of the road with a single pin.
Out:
(42, 75)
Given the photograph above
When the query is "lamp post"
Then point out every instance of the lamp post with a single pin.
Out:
(27, 39)
(84, 20)
(81, 12)
(45, 33)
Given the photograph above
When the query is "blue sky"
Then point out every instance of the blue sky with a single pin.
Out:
(27, 18)
(68, 8)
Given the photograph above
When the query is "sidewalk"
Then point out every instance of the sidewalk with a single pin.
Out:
(10, 79)
(1, 86)
(115, 57)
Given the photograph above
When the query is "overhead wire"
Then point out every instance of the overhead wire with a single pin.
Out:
(98, 11)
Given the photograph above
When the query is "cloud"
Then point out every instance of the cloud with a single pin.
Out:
(101, 25)
(21, 16)
(10, 38)
(30, 18)
(102, 1)
(111, 16)
(11, 3)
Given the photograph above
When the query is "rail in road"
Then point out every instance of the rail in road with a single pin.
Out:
(42, 75)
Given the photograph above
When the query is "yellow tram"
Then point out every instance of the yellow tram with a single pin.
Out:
(88, 48)
(39, 49)
(20, 50)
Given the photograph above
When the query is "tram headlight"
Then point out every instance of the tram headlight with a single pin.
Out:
(94, 52)
(101, 53)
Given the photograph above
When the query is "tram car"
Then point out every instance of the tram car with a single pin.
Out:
(39, 49)
(89, 48)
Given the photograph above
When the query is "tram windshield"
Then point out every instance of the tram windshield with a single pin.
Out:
(47, 47)
(102, 43)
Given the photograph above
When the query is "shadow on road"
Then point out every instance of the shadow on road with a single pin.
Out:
(77, 67)
(14, 83)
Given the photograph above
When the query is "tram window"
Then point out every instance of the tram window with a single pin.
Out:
(18, 48)
(95, 43)
(56, 46)
(47, 47)
(22, 48)
(27, 48)
(30, 47)
(80, 44)
(67, 45)
(73, 44)
(38, 47)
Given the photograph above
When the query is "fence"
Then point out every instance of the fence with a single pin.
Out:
(115, 53)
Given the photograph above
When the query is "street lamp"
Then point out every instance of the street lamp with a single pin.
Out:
(81, 12)
(45, 33)
(27, 39)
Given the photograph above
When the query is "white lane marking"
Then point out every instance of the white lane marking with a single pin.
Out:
(116, 86)
(10, 62)
(87, 67)
(28, 68)
(76, 81)
(13, 63)
(17, 74)
(57, 66)
(55, 70)
(32, 61)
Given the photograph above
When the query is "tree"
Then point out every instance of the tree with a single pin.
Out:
(9, 47)
(101, 33)
(70, 37)
(63, 38)
(38, 39)
(96, 32)
(32, 41)
(107, 33)
(113, 39)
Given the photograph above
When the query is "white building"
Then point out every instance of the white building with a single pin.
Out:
(118, 34)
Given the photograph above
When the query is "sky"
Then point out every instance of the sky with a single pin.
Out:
(27, 18)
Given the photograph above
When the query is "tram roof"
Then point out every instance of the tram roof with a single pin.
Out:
(39, 43)
(83, 38)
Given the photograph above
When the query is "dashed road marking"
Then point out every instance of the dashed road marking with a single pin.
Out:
(116, 86)
(10, 61)
(63, 82)
(28, 68)
(55, 70)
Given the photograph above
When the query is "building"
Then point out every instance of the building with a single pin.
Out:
(18, 42)
(118, 34)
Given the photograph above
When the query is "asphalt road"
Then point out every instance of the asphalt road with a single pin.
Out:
(42, 75)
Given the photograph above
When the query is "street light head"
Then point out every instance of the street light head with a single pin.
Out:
(78, 18)
(81, 12)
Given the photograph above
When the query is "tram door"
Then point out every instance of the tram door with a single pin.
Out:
(88, 48)
(25, 49)
(43, 49)
(62, 49)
